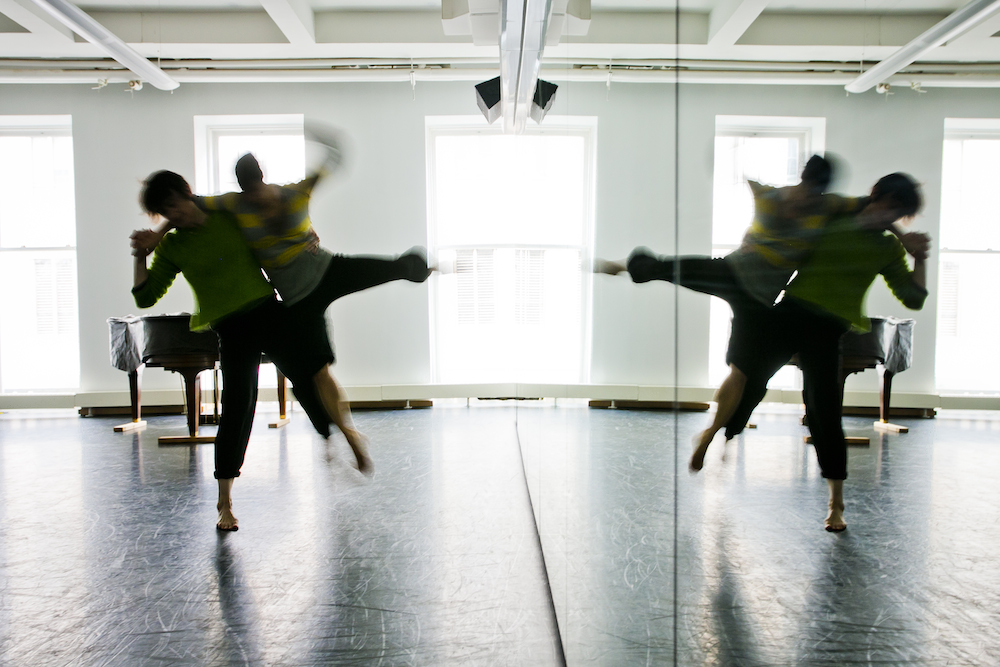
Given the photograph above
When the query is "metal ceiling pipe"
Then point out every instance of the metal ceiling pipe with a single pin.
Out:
(458, 63)
(663, 77)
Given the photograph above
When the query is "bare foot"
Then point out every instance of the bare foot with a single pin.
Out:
(359, 443)
(226, 519)
(609, 267)
(701, 443)
(835, 519)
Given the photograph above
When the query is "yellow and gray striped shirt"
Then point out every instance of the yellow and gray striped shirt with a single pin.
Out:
(279, 241)
(781, 236)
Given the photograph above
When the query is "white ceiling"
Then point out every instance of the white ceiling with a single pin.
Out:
(943, 6)
(784, 38)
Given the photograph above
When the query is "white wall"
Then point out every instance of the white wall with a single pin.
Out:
(378, 205)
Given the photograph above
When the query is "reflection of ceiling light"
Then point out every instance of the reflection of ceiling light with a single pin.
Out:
(950, 27)
(488, 99)
(82, 24)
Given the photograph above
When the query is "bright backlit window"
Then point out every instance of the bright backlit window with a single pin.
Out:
(767, 149)
(969, 260)
(510, 220)
(276, 140)
(39, 328)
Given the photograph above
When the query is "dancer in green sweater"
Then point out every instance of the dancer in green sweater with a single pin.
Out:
(233, 299)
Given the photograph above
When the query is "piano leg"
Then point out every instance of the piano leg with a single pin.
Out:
(884, 393)
(282, 386)
(192, 389)
(135, 398)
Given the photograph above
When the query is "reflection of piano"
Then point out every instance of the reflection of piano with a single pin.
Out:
(888, 347)
(166, 341)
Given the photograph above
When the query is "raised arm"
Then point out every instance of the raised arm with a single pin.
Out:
(331, 143)
(910, 286)
(140, 274)
(144, 241)
(150, 284)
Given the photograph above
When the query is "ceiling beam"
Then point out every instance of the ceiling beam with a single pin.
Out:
(295, 18)
(731, 18)
(956, 23)
(35, 21)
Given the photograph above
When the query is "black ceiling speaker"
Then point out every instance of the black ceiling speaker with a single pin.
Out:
(545, 92)
(488, 99)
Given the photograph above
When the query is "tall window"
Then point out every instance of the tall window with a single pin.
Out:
(276, 140)
(969, 259)
(510, 220)
(39, 325)
(767, 149)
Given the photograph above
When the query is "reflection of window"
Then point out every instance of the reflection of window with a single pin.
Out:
(768, 149)
(474, 270)
(39, 328)
(969, 258)
(509, 220)
(529, 268)
(276, 140)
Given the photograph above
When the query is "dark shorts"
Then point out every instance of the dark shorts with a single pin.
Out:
(298, 343)
(757, 335)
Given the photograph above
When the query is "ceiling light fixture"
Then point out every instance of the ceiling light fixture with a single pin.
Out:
(952, 26)
(82, 24)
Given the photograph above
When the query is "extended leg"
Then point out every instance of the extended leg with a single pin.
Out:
(728, 398)
(701, 274)
(339, 409)
(347, 275)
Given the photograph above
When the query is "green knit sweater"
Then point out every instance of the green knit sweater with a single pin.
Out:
(216, 262)
(843, 266)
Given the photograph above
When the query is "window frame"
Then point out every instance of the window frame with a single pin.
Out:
(208, 130)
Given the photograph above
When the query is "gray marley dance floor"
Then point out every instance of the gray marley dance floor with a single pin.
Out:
(501, 533)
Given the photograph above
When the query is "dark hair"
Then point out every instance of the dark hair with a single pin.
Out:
(818, 173)
(248, 172)
(902, 190)
(159, 187)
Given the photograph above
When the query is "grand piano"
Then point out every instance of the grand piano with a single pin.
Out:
(166, 341)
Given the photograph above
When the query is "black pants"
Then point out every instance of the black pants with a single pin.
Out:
(815, 339)
(714, 277)
(242, 338)
(347, 275)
